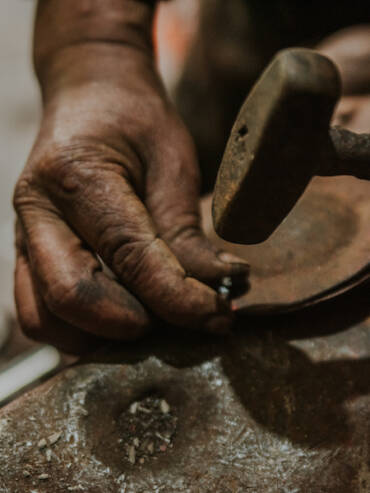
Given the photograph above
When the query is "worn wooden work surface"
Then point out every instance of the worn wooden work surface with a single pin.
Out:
(282, 406)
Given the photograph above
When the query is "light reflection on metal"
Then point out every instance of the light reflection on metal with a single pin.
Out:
(27, 368)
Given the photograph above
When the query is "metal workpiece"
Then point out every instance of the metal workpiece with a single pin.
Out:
(280, 140)
(321, 249)
(282, 405)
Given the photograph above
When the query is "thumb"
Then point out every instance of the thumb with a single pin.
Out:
(173, 185)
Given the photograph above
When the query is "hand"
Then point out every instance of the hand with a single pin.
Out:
(113, 174)
(349, 48)
(353, 112)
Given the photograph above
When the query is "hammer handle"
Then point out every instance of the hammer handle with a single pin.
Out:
(348, 154)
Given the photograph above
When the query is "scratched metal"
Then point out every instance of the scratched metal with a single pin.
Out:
(275, 145)
(322, 248)
(350, 154)
(282, 406)
(273, 152)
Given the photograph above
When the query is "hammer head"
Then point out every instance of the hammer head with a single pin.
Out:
(275, 145)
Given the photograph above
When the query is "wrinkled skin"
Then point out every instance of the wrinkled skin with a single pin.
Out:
(113, 173)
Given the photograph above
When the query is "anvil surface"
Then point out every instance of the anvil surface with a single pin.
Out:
(283, 405)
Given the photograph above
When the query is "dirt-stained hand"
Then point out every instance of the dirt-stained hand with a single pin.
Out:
(113, 176)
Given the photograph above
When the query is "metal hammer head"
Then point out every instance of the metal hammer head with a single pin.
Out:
(275, 145)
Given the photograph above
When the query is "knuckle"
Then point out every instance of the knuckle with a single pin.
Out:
(70, 166)
(62, 296)
(126, 256)
(121, 246)
(126, 260)
(137, 263)
(24, 192)
(113, 237)
(187, 228)
(62, 168)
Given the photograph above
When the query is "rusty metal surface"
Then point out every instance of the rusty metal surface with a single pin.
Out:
(280, 140)
(275, 145)
(349, 154)
(321, 249)
(281, 406)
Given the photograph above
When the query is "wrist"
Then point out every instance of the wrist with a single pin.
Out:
(66, 31)
(99, 67)
(87, 100)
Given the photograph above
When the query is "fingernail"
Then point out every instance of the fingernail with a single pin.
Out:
(219, 324)
(238, 265)
(230, 258)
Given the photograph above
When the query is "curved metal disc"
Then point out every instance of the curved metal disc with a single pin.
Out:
(321, 249)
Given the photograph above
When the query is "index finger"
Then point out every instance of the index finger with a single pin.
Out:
(105, 211)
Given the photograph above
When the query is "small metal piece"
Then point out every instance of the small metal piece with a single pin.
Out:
(227, 282)
(224, 290)
(224, 293)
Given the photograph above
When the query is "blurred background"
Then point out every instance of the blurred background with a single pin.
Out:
(19, 116)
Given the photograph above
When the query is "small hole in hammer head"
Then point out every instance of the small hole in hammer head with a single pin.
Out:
(242, 132)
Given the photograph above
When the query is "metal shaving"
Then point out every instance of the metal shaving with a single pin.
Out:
(147, 429)
(42, 443)
(54, 437)
(131, 454)
(165, 408)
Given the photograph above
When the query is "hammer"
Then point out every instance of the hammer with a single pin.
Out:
(280, 140)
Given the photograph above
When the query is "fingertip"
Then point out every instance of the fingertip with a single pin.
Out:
(237, 264)
(199, 257)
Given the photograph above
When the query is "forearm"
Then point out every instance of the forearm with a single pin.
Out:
(89, 39)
